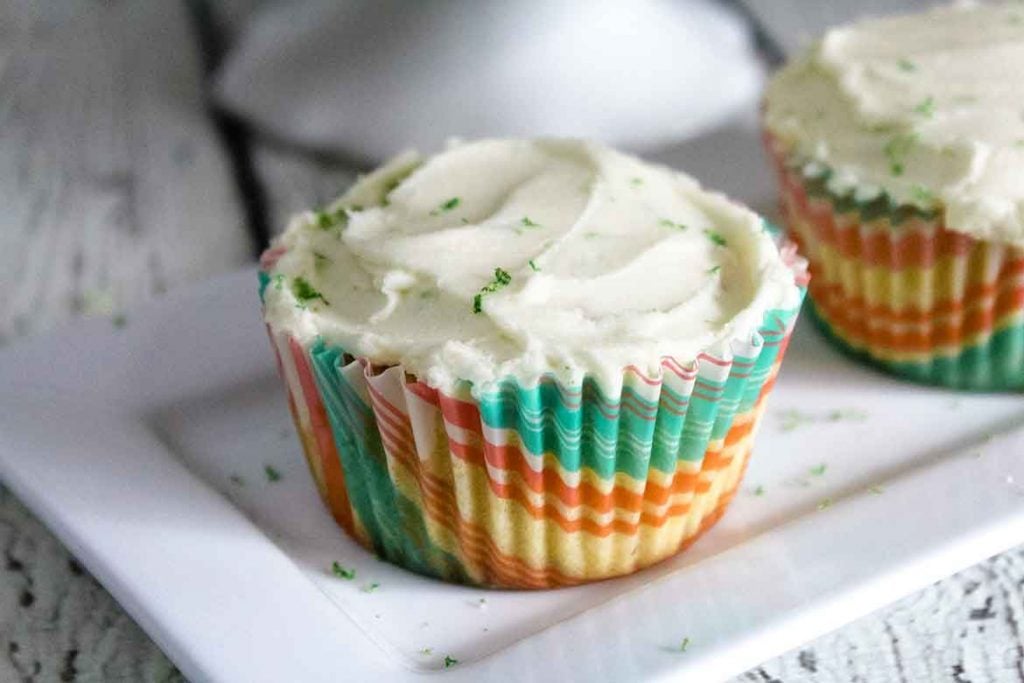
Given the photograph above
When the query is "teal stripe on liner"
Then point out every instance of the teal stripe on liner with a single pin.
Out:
(994, 365)
(394, 524)
(585, 429)
(264, 281)
(636, 433)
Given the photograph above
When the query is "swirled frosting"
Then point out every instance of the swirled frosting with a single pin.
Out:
(928, 108)
(520, 258)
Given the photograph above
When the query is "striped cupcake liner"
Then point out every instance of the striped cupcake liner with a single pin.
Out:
(530, 487)
(893, 286)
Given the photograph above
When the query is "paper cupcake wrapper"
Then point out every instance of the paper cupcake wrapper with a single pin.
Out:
(530, 487)
(892, 285)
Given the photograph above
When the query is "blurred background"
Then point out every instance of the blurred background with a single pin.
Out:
(145, 145)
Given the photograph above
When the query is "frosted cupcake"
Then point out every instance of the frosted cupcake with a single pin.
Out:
(900, 147)
(528, 363)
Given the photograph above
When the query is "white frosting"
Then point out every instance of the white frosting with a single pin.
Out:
(612, 262)
(928, 108)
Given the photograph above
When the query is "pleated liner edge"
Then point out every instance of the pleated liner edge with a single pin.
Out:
(531, 487)
(893, 286)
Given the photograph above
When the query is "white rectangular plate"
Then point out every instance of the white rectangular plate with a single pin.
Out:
(126, 441)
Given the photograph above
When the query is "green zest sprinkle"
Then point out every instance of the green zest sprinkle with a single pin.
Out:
(236, 480)
(272, 474)
(906, 65)
(825, 503)
(305, 292)
(278, 281)
(446, 206)
(636, 182)
(370, 587)
(685, 644)
(712, 271)
(791, 419)
(391, 183)
(922, 194)
(427, 651)
(759, 491)
(926, 108)
(533, 266)
(716, 238)
(319, 260)
(390, 186)
(450, 661)
(666, 223)
(896, 151)
(877, 490)
(501, 279)
(326, 220)
(342, 572)
(850, 414)
(527, 223)
(119, 320)
(818, 470)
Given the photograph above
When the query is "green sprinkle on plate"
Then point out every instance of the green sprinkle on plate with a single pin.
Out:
(342, 572)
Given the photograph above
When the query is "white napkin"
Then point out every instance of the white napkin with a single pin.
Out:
(367, 78)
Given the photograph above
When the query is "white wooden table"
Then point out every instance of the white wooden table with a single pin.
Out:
(117, 182)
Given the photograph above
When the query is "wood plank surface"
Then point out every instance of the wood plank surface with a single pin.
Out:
(115, 187)
(966, 628)
(56, 622)
(112, 179)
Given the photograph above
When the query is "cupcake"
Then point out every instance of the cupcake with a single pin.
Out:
(899, 145)
(528, 363)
